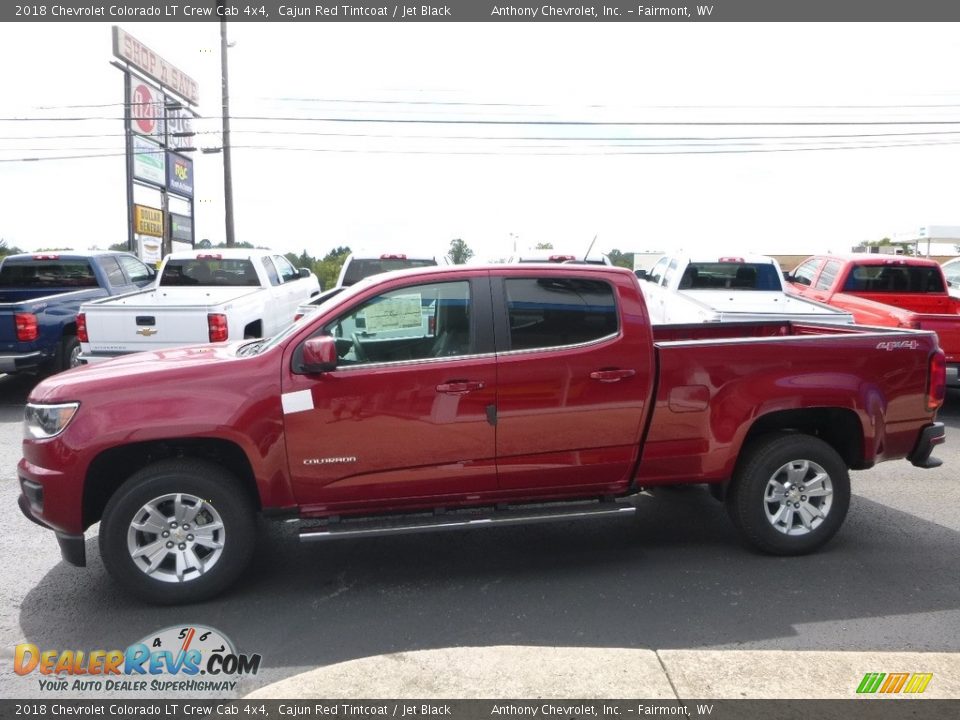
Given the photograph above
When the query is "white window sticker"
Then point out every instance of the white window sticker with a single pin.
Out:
(394, 313)
(296, 401)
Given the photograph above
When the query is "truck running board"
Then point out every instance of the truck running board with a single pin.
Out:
(459, 520)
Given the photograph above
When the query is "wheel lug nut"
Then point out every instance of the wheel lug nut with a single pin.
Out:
(190, 538)
(803, 497)
(169, 544)
(797, 505)
(165, 534)
(182, 546)
(186, 526)
(173, 524)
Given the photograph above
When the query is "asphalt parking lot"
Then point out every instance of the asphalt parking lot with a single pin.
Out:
(674, 578)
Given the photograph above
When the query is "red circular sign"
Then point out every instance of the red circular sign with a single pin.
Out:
(143, 110)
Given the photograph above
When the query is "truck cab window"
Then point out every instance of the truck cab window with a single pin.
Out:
(411, 323)
(553, 312)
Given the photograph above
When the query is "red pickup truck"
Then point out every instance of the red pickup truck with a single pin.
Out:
(466, 397)
(886, 290)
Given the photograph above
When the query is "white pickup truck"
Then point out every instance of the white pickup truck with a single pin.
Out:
(746, 288)
(200, 296)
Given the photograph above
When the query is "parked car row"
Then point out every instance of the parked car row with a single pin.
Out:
(61, 310)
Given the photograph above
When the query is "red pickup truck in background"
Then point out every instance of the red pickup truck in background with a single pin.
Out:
(887, 290)
(458, 397)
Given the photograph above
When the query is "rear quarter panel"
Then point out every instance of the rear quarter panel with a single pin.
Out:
(711, 393)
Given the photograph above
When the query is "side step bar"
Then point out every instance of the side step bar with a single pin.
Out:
(460, 520)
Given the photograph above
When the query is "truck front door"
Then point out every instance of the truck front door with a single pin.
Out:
(408, 411)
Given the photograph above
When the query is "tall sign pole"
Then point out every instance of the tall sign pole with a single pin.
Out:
(128, 139)
(227, 164)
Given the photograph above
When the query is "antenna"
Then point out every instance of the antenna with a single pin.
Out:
(590, 247)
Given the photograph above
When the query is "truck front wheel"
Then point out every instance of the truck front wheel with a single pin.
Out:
(790, 494)
(177, 531)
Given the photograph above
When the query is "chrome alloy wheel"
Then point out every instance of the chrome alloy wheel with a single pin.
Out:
(798, 497)
(176, 538)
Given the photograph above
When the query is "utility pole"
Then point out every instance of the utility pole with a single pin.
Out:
(227, 165)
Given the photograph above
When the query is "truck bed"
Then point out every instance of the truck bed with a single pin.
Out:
(754, 330)
(757, 369)
(761, 305)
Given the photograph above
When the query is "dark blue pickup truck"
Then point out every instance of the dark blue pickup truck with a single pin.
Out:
(40, 295)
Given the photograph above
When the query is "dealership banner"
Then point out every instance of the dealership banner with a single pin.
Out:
(146, 60)
(249, 708)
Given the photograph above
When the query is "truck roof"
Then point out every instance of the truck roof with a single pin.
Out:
(63, 255)
(883, 259)
(226, 253)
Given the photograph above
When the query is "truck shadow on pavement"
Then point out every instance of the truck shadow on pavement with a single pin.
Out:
(674, 577)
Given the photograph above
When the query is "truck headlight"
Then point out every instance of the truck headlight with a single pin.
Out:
(46, 421)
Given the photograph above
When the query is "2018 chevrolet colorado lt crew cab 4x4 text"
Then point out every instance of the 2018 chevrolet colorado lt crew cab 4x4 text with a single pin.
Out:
(466, 397)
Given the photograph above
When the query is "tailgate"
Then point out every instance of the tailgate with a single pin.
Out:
(159, 318)
(947, 328)
(136, 329)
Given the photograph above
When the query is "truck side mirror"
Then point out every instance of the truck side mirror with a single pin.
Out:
(641, 274)
(304, 272)
(319, 355)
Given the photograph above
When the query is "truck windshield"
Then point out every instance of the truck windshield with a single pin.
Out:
(894, 279)
(215, 272)
(47, 273)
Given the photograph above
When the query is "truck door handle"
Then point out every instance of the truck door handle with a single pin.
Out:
(459, 387)
(609, 376)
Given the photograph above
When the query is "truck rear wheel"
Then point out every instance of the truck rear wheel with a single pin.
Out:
(790, 494)
(68, 354)
(177, 531)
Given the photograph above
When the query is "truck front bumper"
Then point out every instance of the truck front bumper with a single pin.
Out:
(73, 548)
(931, 436)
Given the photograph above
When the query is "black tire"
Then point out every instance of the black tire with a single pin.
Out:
(68, 353)
(786, 525)
(217, 497)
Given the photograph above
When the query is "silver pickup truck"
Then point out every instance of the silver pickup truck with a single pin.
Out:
(742, 288)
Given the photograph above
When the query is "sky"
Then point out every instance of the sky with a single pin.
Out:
(514, 134)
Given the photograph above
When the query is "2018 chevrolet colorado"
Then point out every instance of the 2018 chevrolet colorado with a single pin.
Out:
(457, 397)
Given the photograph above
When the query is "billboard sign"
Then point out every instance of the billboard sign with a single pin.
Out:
(149, 162)
(179, 125)
(132, 51)
(179, 174)
(146, 109)
(147, 221)
(181, 228)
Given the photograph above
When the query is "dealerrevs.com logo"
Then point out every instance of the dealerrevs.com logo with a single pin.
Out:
(191, 658)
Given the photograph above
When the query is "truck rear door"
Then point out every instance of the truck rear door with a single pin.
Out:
(574, 375)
